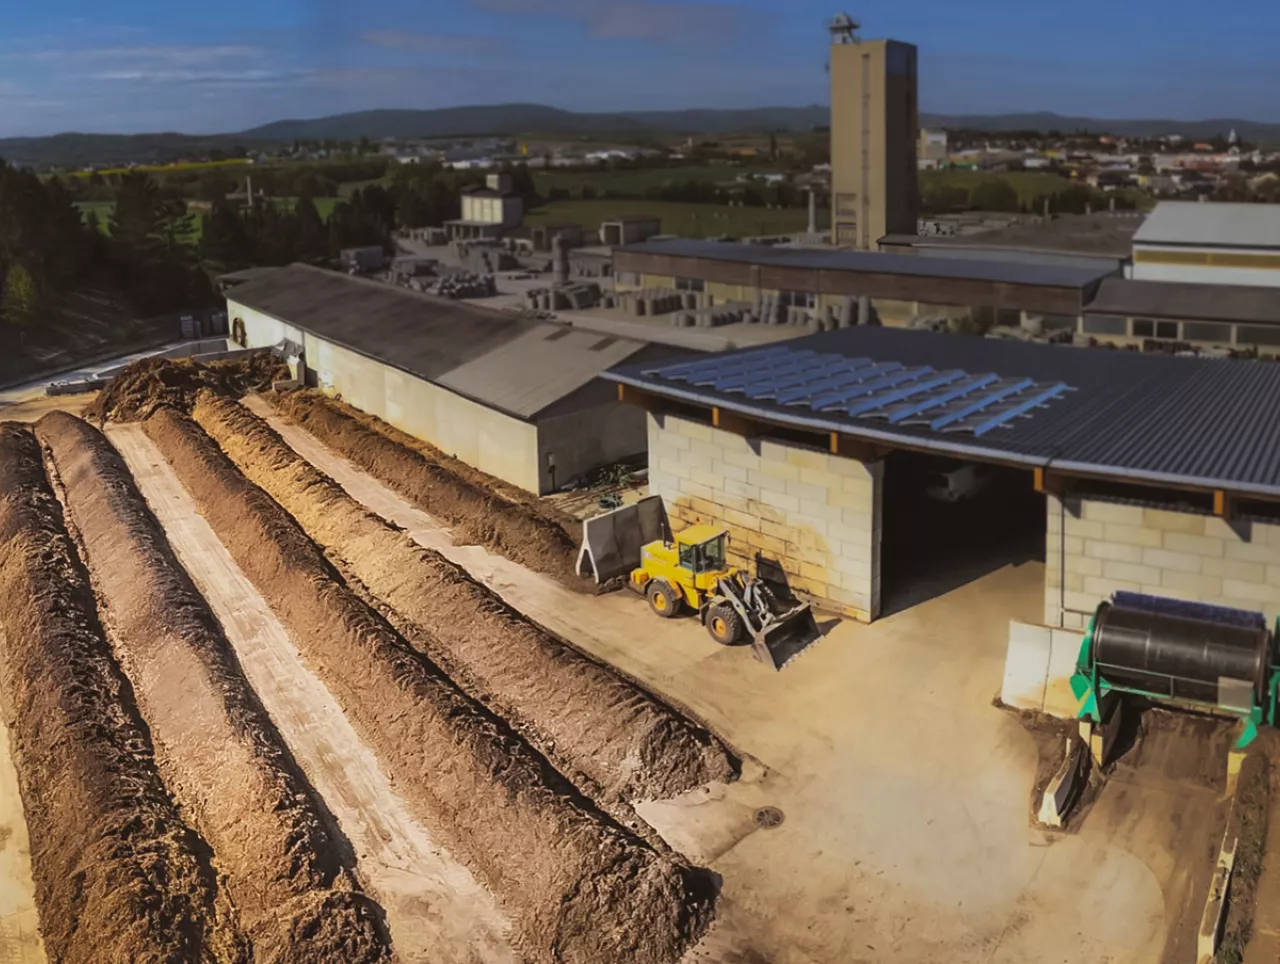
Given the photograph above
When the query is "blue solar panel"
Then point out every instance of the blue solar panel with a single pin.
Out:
(951, 401)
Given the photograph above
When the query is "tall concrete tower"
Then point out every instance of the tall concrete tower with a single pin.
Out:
(874, 130)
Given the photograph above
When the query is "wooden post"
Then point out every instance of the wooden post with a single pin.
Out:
(1221, 504)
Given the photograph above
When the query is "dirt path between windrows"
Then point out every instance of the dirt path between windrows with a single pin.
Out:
(581, 889)
(534, 535)
(436, 911)
(582, 715)
(217, 750)
(119, 878)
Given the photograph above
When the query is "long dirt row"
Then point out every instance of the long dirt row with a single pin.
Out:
(217, 750)
(475, 514)
(588, 719)
(580, 888)
(118, 876)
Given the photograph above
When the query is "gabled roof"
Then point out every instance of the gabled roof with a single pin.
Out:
(498, 359)
(1158, 419)
(1217, 224)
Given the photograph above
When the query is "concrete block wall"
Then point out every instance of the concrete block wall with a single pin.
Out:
(1108, 547)
(815, 517)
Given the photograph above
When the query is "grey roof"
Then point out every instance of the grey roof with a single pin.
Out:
(993, 252)
(502, 360)
(873, 262)
(246, 274)
(1192, 224)
(1148, 418)
(1187, 302)
(1103, 234)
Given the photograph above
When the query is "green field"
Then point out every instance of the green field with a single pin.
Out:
(688, 220)
(1029, 184)
(636, 182)
(104, 210)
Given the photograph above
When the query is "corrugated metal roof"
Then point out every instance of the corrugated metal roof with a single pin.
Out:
(1187, 302)
(877, 262)
(1214, 224)
(1147, 418)
(498, 359)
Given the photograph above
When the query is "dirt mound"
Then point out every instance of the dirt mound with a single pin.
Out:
(588, 719)
(216, 748)
(480, 510)
(583, 890)
(147, 384)
(118, 876)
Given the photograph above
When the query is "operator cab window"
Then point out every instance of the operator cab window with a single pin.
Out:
(708, 557)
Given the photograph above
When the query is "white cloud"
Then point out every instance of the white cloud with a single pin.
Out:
(429, 43)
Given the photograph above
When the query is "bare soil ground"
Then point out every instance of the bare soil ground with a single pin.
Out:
(118, 875)
(436, 911)
(907, 834)
(147, 384)
(582, 715)
(216, 748)
(580, 888)
(479, 508)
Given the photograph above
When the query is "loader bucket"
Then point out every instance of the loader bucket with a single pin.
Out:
(785, 637)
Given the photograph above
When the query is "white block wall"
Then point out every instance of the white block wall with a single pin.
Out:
(816, 516)
(1112, 547)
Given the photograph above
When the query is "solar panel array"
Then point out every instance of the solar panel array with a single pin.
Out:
(827, 383)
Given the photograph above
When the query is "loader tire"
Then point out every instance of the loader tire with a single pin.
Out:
(663, 599)
(724, 624)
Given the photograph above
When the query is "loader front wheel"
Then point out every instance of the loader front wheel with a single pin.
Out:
(724, 624)
(663, 600)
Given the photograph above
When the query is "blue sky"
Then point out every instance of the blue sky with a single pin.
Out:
(142, 65)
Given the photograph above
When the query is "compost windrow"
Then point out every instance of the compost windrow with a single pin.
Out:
(581, 889)
(216, 748)
(593, 722)
(119, 878)
(478, 509)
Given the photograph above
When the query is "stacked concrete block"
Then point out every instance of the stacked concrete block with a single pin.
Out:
(569, 297)
(649, 302)
(1108, 547)
(464, 284)
(799, 515)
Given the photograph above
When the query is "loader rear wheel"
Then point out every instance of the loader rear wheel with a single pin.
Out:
(724, 624)
(663, 600)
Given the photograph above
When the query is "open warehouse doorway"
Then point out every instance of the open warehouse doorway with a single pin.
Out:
(946, 523)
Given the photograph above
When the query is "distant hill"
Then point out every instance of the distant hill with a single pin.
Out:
(535, 118)
(78, 150)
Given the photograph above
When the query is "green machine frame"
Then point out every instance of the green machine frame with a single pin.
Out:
(1093, 691)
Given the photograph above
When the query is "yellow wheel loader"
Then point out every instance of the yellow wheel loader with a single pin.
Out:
(690, 571)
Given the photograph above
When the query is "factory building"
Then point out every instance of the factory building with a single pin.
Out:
(1168, 314)
(488, 212)
(869, 469)
(874, 131)
(1047, 294)
(1224, 244)
(519, 399)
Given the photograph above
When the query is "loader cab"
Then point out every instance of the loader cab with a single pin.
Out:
(701, 549)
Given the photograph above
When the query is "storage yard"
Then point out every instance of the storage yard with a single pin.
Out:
(355, 723)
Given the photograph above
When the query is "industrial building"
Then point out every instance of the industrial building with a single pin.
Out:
(870, 469)
(1153, 314)
(874, 130)
(488, 212)
(519, 399)
(903, 287)
(1227, 244)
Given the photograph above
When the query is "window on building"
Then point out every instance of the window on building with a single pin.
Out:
(846, 205)
(1148, 328)
(1206, 331)
(627, 278)
(1106, 325)
(1258, 334)
(690, 284)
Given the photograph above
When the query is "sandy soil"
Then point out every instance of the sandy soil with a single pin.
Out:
(582, 715)
(118, 875)
(907, 835)
(35, 405)
(216, 748)
(435, 909)
(20, 941)
(580, 888)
